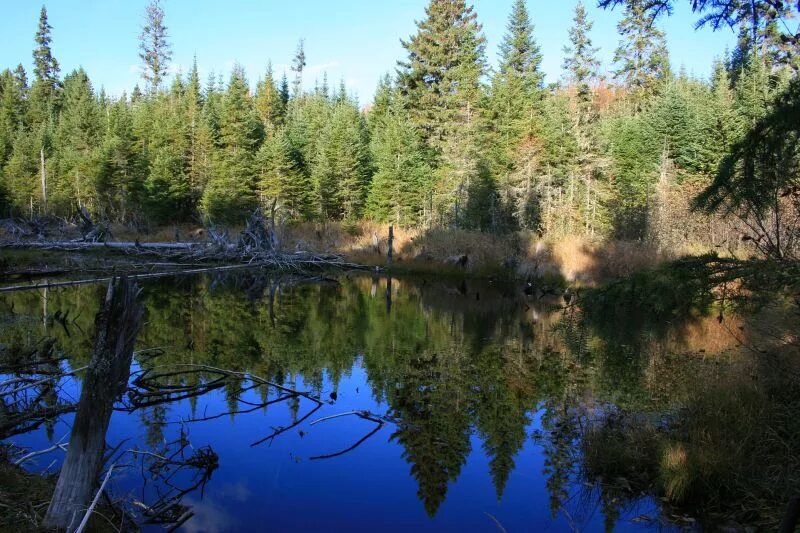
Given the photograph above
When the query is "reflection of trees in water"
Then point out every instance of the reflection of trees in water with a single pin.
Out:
(448, 358)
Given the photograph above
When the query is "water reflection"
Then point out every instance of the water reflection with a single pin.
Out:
(453, 388)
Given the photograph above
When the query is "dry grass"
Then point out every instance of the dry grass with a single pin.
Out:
(525, 255)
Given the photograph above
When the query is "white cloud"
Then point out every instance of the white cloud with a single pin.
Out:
(318, 69)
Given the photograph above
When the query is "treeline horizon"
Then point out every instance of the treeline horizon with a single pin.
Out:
(447, 140)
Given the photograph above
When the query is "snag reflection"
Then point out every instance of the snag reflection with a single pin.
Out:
(352, 404)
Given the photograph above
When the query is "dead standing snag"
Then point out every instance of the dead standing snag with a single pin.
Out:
(118, 324)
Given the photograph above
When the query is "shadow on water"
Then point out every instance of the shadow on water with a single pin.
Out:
(366, 396)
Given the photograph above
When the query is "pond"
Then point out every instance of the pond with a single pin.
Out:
(461, 404)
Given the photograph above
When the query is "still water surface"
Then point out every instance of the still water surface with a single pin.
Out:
(463, 401)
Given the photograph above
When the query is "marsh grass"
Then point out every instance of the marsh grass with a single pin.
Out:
(730, 456)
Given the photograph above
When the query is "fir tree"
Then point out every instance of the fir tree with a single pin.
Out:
(581, 62)
(340, 169)
(516, 93)
(282, 178)
(642, 57)
(401, 183)
(440, 83)
(119, 178)
(42, 105)
(231, 193)
(12, 112)
(298, 65)
(154, 48)
(45, 66)
(441, 77)
(77, 137)
(193, 109)
(269, 102)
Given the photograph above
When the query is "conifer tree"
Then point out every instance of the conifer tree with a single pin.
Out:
(298, 65)
(46, 83)
(642, 57)
(580, 62)
(231, 192)
(45, 65)
(282, 178)
(441, 85)
(154, 48)
(581, 67)
(119, 179)
(269, 102)
(515, 98)
(402, 181)
(340, 170)
(76, 138)
(20, 173)
(441, 77)
(12, 112)
(193, 109)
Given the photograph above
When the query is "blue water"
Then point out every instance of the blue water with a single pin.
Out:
(276, 486)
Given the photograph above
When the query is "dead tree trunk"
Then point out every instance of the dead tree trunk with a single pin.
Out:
(44, 180)
(107, 377)
(390, 250)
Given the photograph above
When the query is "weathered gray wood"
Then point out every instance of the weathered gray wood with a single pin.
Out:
(106, 379)
(390, 250)
(80, 245)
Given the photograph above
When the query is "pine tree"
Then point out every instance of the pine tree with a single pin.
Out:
(45, 67)
(341, 168)
(642, 57)
(12, 111)
(168, 193)
(193, 109)
(21, 173)
(119, 179)
(154, 48)
(581, 67)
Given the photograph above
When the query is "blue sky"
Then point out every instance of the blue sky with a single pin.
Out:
(354, 40)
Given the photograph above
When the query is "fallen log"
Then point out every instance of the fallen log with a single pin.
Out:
(91, 245)
(285, 262)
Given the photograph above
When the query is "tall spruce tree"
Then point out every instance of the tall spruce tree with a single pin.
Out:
(441, 84)
(580, 61)
(340, 170)
(45, 66)
(441, 77)
(298, 66)
(515, 98)
(12, 111)
(282, 179)
(269, 102)
(231, 193)
(120, 176)
(642, 58)
(77, 137)
(402, 180)
(154, 48)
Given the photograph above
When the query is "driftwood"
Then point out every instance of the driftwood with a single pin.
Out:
(118, 324)
(257, 246)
